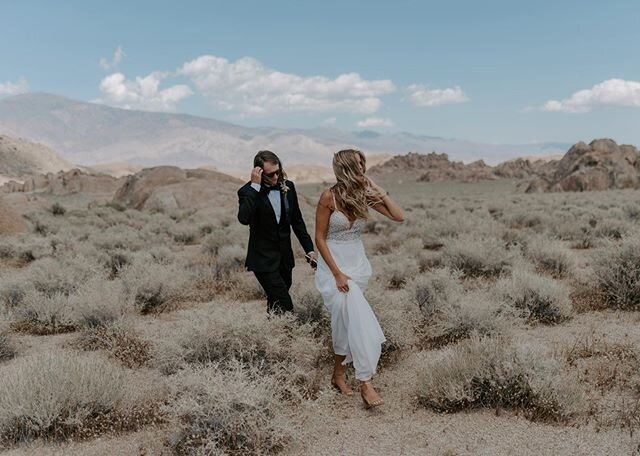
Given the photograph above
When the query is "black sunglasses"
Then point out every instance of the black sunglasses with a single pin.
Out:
(270, 175)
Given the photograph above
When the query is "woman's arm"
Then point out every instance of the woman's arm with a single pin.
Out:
(387, 207)
(323, 213)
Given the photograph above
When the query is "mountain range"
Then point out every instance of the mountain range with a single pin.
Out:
(89, 134)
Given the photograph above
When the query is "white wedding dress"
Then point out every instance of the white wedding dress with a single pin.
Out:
(355, 330)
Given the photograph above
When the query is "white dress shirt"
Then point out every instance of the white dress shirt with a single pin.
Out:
(274, 199)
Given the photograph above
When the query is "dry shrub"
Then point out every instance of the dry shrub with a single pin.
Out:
(395, 315)
(435, 290)
(491, 372)
(525, 220)
(586, 297)
(428, 260)
(152, 286)
(13, 291)
(397, 270)
(229, 261)
(611, 229)
(308, 305)
(119, 341)
(116, 261)
(448, 314)
(43, 314)
(617, 273)
(228, 411)
(60, 395)
(247, 287)
(98, 303)
(604, 363)
(477, 257)
(550, 257)
(214, 242)
(472, 312)
(536, 298)
(53, 276)
(221, 334)
(7, 349)
(118, 237)
(185, 235)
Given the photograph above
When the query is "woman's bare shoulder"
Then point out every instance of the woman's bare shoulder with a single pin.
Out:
(326, 199)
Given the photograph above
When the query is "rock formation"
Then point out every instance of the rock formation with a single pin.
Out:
(168, 188)
(600, 165)
(64, 183)
(434, 167)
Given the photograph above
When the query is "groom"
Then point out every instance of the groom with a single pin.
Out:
(269, 205)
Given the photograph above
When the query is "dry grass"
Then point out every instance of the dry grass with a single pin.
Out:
(477, 257)
(60, 395)
(535, 298)
(119, 341)
(222, 334)
(493, 373)
(7, 348)
(617, 273)
(235, 410)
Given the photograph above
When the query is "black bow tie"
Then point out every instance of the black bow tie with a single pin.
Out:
(268, 188)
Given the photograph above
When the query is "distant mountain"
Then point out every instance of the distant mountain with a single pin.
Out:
(88, 133)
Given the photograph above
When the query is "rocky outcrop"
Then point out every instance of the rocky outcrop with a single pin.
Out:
(600, 165)
(64, 183)
(167, 188)
(434, 167)
(524, 168)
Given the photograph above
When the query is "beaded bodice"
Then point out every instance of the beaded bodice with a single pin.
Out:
(341, 229)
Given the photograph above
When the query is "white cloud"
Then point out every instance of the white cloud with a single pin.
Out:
(330, 121)
(115, 60)
(422, 96)
(614, 92)
(14, 88)
(246, 86)
(375, 122)
(143, 93)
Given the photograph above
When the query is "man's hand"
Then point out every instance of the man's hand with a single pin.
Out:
(312, 259)
(256, 175)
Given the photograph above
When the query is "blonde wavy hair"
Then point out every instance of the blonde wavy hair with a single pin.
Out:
(353, 191)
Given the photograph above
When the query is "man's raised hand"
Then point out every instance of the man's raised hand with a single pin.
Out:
(256, 175)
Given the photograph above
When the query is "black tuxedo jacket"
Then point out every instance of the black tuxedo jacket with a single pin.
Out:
(270, 241)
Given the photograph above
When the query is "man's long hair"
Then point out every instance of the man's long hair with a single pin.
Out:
(353, 191)
(268, 156)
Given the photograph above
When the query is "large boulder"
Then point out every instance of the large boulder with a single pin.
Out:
(167, 188)
(600, 165)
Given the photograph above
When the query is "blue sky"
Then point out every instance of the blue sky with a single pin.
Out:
(492, 71)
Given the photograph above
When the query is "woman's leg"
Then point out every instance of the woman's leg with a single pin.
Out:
(338, 378)
(369, 395)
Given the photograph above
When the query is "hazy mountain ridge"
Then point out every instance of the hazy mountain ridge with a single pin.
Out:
(89, 133)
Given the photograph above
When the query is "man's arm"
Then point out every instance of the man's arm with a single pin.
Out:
(248, 199)
(297, 222)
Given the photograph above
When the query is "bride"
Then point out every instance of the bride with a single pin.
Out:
(344, 270)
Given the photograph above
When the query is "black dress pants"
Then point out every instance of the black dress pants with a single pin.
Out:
(276, 285)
